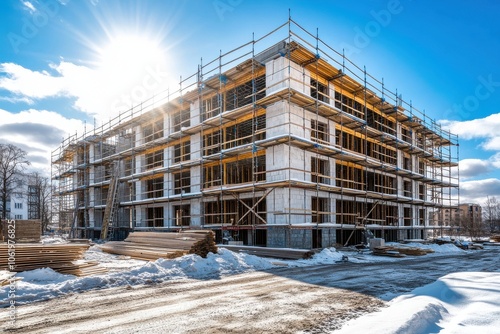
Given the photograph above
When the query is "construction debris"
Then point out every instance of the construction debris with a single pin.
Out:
(278, 253)
(376, 242)
(26, 231)
(387, 251)
(395, 251)
(151, 246)
(63, 258)
(495, 238)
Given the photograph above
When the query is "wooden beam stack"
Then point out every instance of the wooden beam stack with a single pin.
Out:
(400, 251)
(63, 258)
(26, 231)
(151, 246)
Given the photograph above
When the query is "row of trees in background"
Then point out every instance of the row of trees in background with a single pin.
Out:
(15, 181)
(491, 214)
(479, 221)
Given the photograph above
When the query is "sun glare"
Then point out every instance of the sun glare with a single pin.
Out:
(127, 55)
(131, 69)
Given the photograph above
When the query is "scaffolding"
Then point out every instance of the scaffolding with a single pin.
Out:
(282, 142)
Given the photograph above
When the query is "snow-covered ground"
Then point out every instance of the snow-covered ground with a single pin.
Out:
(463, 302)
(455, 300)
(42, 284)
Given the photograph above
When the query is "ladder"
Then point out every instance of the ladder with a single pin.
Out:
(74, 228)
(111, 204)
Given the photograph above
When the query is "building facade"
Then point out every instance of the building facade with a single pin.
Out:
(465, 214)
(276, 143)
(19, 203)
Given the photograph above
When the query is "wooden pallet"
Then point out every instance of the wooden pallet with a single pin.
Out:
(151, 246)
(63, 258)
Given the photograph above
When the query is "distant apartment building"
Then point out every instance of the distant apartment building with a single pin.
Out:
(282, 142)
(17, 202)
(469, 212)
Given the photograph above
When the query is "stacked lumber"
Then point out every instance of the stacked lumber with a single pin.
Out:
(26, 231)
(278, 253)
(63, 258)
(386, 251)
(395, 251)
(495, 238)
(414, 251)
(151, 246)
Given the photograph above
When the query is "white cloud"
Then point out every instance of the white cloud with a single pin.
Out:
(477, 191)
(486, 128)
(29, 6)
(471, 168)
(474, 167)
(38, 132)
(492, 144)
(30, 84)
(13, 99)
(97, 92)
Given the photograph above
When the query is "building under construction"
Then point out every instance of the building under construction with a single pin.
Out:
(281, 142)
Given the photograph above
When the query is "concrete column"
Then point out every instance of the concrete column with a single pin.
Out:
(195, 212)
(282, 73)
(91, 152)
(195, 113)
(195, 179)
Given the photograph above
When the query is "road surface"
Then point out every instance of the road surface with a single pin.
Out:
(314, 299)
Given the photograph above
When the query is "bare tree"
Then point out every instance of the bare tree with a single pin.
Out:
(12, 163)
(39, 199)
(491, 214)
(470, 225)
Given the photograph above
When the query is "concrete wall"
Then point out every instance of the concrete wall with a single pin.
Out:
(283, 73)
(328, 237)
(282, 236)
(196, 211)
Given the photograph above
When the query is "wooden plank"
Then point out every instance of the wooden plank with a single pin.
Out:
(25, 230)
(155, 245)
(59, 257)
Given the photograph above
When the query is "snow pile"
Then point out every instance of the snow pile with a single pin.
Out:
(43, 275)
(42, 284)
(326, 256)
(110, 261)
(442, 249)
(53, 240)
(464, 302)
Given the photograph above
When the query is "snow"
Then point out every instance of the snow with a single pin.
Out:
(53, 240)
(463, 302)
(440, 249)
(45, 283)
(456, 303)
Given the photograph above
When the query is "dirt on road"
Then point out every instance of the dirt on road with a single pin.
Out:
(314, 299)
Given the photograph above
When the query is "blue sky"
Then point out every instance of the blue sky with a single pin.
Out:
(58, 70)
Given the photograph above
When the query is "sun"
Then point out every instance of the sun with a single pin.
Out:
(130, 69)
(126, 56)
